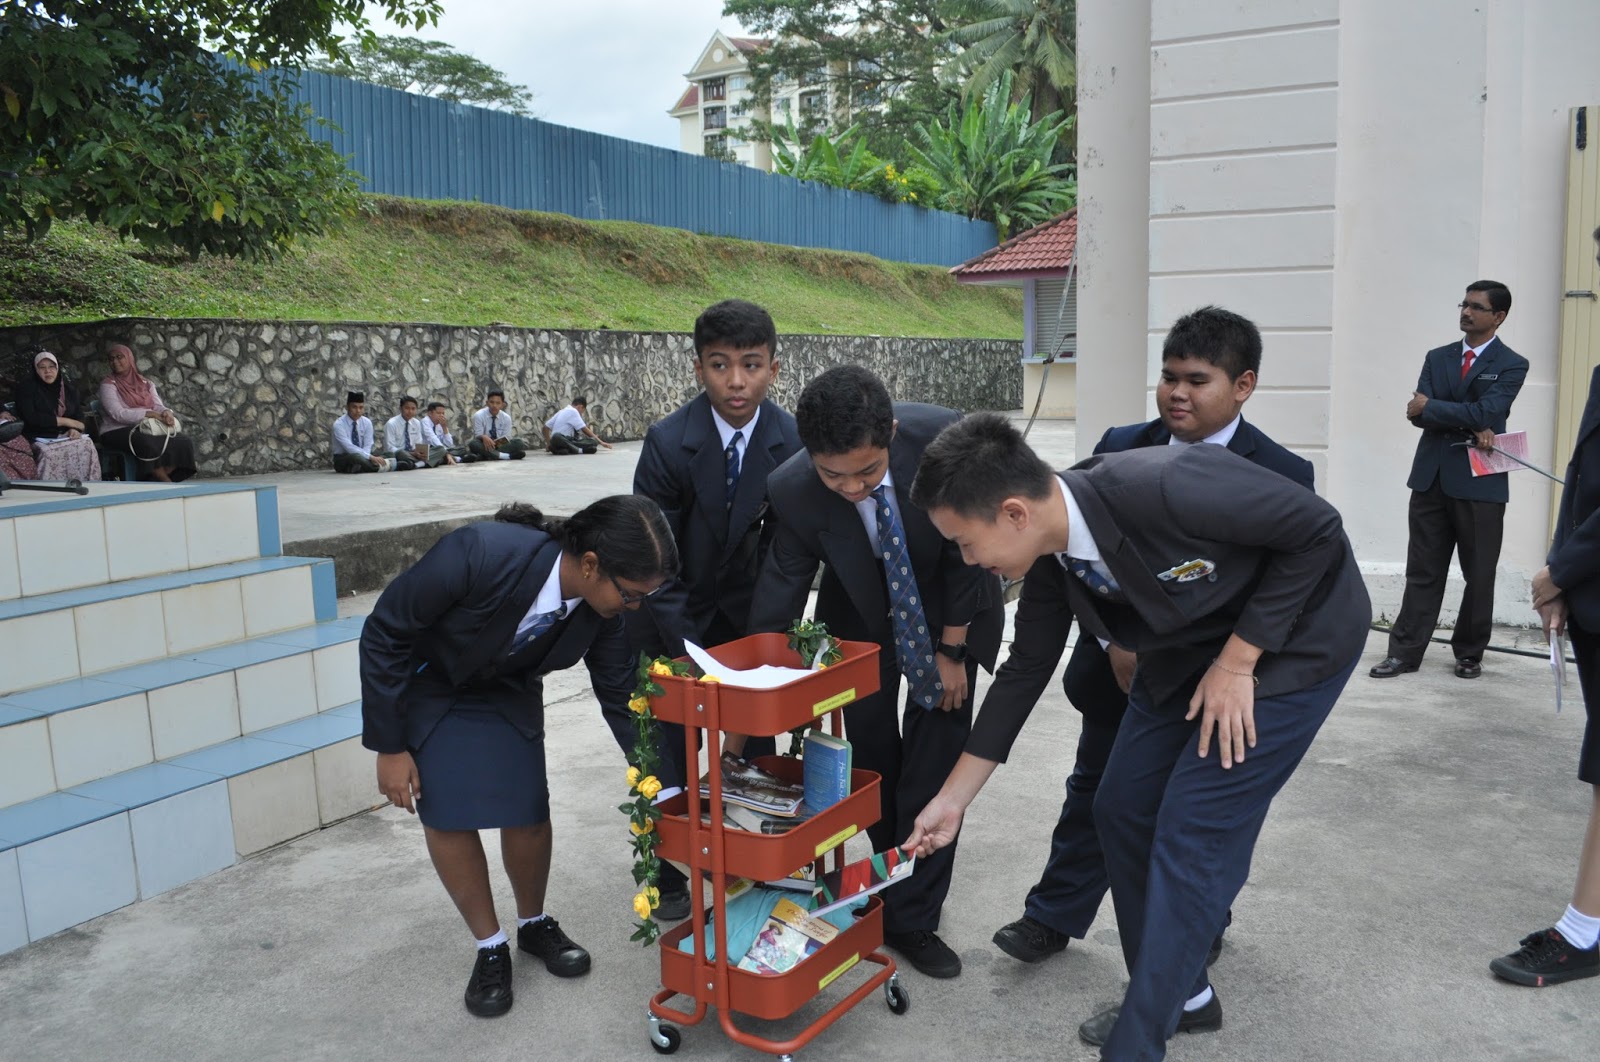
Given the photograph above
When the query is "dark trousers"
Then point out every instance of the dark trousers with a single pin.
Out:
(1440, 524)
(352, 463)
(913, 749)
(1178, 833)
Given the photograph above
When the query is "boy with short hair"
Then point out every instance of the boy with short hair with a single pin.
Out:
(491, 432)
(353, 439)
(436, 427)
(1239, 592)
(568, 433)
(406, 441)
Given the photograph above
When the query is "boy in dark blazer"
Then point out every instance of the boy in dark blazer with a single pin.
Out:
(1239, 593)
(845, 503)
(1211, 359)
(1464, 394)
(706, 465)
(1566, 591)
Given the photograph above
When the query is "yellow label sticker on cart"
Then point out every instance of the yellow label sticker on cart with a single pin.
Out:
(838, 700)
(837, 839)
(826, 981)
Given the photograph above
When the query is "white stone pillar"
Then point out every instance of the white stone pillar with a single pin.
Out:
(1113, 213)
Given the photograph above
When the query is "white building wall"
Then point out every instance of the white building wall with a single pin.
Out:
(1339, 170)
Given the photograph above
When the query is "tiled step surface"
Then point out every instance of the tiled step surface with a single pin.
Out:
(60, 736)
(65, 634)
(61, 542)
(77, 854)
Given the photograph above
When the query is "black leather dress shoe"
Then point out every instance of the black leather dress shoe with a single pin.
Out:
(674, 905)
(1469, 667)
(923, 949)
(1391, 667)
(1208, 1018)
(1030, 941)
(561, 956)
(489, 990)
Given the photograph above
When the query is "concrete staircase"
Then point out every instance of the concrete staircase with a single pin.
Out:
(175, 695)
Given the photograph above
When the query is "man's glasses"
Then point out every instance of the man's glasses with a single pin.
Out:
(1475, 307)
(630, 597)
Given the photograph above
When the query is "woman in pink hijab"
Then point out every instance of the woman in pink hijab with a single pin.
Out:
(126, 398)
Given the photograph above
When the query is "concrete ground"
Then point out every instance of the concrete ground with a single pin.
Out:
(1433, 824)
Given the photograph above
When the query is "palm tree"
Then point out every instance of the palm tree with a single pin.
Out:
(1036, 40)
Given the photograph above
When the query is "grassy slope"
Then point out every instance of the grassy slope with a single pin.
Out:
(465, 263)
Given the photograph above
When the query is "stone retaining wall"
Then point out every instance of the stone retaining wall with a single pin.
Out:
(260, 396)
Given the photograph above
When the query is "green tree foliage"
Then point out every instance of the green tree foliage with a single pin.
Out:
(429, 68)
(993, 161)
(838, 161)
(116, 111)
(1035, 41)
(889, 54)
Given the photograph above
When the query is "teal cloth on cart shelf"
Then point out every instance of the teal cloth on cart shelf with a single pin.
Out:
(748, 912)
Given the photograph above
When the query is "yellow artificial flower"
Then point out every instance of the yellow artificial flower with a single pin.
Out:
(633, 777)
(641, 905)
(710, 678)
(640, 831)
(639, 705)
(654, 895)
(649, 787)
(822, 665)
(660, 667)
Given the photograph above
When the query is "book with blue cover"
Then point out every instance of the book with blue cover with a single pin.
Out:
(826, 775)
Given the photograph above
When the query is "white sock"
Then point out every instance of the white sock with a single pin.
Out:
(1201, 1000)
(504, 456)
(529, 921)
(1580, 930)
(494, 941)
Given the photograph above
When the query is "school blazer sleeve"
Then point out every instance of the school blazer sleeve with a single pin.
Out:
(1043, 622)
(1303, 534)
(787, 572)
(653, 479)
(410, 604)
(1487, 410)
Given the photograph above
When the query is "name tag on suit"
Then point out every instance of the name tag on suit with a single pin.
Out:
(1489, 376)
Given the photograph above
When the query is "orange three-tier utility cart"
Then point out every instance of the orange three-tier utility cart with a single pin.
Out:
(719, 855)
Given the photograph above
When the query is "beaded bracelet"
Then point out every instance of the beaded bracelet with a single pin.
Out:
(1216, 662)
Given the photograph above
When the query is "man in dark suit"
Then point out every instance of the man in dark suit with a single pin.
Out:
(706, 464)
(1211, 360)
(891, 578)
(1463, 395)
(1239, 593)
(1566, 591)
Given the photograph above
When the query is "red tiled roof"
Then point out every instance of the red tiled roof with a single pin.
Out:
(690, 98)
(1043, 250)
(749, 44)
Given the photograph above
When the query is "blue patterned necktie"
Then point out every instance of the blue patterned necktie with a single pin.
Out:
(494, 426)
(541, 623)
(913, 648)
(1098, 584)
(732, 456)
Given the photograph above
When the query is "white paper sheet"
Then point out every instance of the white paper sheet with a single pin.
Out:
(765, 677)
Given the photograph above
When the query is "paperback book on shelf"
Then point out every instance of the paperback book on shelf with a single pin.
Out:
(758, 822)
(853, 881)
(789, 935)
(747, 785)
(826, 774)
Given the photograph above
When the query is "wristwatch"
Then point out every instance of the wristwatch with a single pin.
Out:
(957, 653)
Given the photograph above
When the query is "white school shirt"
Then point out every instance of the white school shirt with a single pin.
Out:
(1221, 437)
(567, 421)
(348, 441)
(726, 431)
(436, 434)
(548, 600)
(867, 508)
(502, 422)
(402, 434)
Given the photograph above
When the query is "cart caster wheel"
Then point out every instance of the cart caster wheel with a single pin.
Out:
(666, 1039)
(895, 994)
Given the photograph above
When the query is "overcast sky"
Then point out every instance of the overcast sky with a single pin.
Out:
(611, 66)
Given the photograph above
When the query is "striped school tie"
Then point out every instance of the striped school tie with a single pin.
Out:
(913, 647)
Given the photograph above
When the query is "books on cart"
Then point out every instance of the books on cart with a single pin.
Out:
(826, 770)
(745, 784)
(744, 818)
(853, 881)
(789, 936)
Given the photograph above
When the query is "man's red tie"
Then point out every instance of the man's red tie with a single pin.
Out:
(1466, 363)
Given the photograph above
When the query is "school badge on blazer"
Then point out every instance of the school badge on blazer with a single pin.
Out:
(1189, 571)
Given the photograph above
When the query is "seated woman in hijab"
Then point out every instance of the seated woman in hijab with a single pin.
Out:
(126, 399)
(48, 404)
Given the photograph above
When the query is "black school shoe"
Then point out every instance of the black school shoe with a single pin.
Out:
(1546, 958)
(1208, 1018)
(561, 956)
(1469, 667)
(1030, 940)
(489, 990)
(674, 905)
(923, 949)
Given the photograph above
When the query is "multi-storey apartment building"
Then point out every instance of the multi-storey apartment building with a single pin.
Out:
(714, 112)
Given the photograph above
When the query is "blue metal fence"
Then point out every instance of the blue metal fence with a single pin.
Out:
(423, 148)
